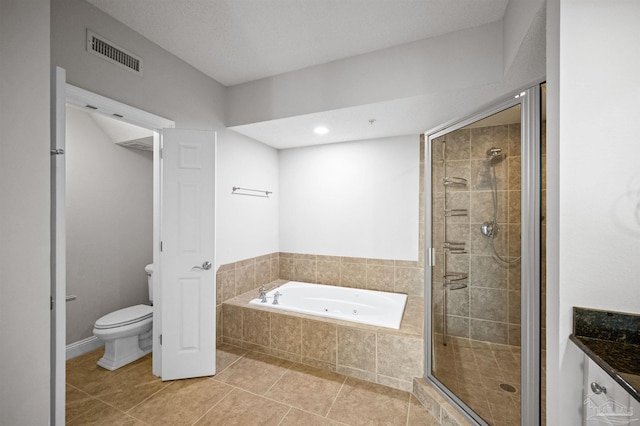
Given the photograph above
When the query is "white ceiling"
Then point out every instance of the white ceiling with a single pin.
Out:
(235, 41)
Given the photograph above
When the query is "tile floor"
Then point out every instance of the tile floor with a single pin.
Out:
(250, 389)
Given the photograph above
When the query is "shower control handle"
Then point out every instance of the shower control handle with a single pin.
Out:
(205, 266)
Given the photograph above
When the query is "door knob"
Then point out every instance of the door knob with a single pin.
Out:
(205, 266)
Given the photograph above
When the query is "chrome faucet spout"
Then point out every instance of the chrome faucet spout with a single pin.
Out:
(276, 295)
(263, 294)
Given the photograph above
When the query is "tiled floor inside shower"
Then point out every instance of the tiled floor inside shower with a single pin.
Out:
(250, 389)
(484, 375)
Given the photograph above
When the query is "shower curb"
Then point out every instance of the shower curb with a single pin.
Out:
(436, 405)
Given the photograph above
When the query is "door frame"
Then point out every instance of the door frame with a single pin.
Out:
(64, 93)
(530, 101)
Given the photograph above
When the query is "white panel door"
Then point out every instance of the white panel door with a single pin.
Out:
(187, 258)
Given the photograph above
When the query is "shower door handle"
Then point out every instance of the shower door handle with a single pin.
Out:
(205, 266)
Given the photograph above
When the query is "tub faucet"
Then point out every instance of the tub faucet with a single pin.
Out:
(263, 294)
(275, 298)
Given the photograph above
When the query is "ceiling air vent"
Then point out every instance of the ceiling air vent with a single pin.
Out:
(113, 53)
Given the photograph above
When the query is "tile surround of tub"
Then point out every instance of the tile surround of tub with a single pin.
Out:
(380, 355)
(399, 276)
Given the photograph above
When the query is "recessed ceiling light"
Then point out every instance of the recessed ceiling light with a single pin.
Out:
(320, 130)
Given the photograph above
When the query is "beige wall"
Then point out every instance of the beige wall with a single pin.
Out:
(24, 212)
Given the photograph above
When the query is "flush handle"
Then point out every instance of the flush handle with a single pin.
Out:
(205, 266)
(598, 388)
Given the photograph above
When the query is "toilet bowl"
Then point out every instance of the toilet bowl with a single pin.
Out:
(126, 333)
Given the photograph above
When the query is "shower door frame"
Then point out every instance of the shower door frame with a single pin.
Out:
(530, 102)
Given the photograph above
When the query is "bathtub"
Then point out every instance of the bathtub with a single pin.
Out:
(350, 304)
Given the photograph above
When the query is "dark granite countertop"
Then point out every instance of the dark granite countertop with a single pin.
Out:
(611, 340)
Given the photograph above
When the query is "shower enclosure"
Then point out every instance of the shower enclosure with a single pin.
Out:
(482, 320)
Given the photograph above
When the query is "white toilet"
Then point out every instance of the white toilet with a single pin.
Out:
(126, 333)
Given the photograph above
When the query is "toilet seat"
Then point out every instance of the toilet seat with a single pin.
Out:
(123, 317)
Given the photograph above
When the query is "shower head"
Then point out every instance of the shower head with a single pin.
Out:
(495, 155)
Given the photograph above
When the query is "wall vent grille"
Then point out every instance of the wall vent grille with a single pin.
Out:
(113, 53)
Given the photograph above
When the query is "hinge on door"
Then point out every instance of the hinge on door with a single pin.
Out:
(160, 337)
(51, 299)
(161, 153)
(160, 245)
(432, 256)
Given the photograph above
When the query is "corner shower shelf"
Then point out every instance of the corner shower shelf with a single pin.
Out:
(454, 277)
(451, 280)
(455, 212)
(455, 247)
(455, 286)
(454, 181)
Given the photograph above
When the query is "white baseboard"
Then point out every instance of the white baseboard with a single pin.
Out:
(83, 346)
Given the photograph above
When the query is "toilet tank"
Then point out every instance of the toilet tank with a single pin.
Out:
(149, 270)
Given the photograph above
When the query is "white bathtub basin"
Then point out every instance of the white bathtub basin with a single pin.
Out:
(350, 304)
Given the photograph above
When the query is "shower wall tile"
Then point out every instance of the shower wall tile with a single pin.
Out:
(482, 175)
(514, 307)
(489, 331)
(488, 304)
(456, 200)
(458, 145)
(514, 139)
(514, 274)
(514, 206)
(481, 209)
(514, 173)
(514, 240)
(486, 272)
(460, 169)
(514, 335)
(458, 302)
(456, 326)
(484, 138)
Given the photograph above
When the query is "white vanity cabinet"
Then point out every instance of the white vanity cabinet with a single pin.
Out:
(605, 401)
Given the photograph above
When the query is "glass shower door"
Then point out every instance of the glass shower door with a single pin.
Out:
(475, 293)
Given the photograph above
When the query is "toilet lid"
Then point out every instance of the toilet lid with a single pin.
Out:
(125, 316)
